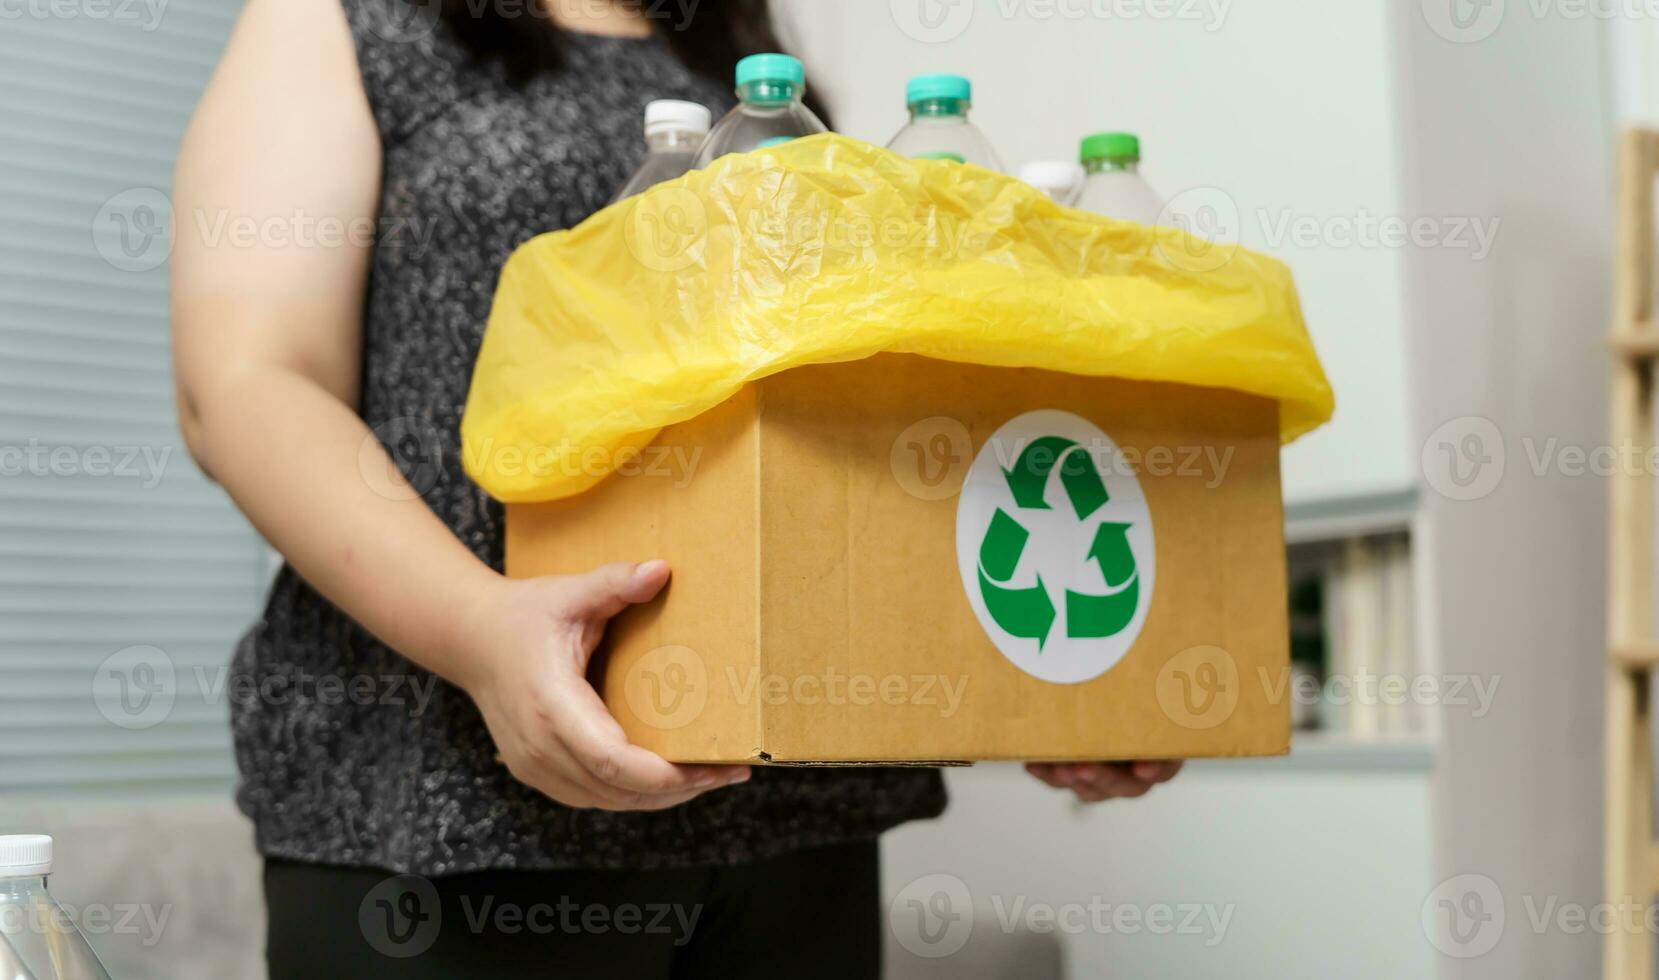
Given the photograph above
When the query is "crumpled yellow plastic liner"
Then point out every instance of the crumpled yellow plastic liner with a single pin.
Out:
(827, 249)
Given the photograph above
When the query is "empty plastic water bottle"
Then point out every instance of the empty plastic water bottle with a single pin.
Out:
(939, 123)
(38, 939)
(674, 132)
(769, 92)
(1114, 187)
(1061, 180)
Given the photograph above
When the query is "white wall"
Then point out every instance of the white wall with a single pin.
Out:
(1270, 112)
(1312, 872)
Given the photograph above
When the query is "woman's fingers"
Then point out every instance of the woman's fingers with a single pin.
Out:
(1108, 781)
(1094, 782)
(598, 745)
(606, 591)
(1047, 773)
(1156, 770)
(560, 776)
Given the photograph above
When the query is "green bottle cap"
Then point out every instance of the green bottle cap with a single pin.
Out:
(1120, 147)
(942, 155)
(772, 141)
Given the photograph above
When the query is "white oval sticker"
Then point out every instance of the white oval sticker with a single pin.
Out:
(1054, 543)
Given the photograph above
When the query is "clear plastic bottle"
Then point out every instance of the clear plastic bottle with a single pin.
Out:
(38, 939)
(674, 132)
(939, 123)
(1061, 180)
(769, 92)
(1114, 187)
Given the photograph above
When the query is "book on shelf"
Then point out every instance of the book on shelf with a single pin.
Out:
(1371, 659)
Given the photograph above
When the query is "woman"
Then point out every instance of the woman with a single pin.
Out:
(321, 381)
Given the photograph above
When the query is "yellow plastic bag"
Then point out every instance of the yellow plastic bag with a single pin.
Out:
(829, 249)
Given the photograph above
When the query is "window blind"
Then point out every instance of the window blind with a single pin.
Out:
(125, 576)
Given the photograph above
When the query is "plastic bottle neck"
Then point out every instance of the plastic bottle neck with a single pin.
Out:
(770, 93)
(674, 141)
(1108, 165)
(948, 110)
(11, 888)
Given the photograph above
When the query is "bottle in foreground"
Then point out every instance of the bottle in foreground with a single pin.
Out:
(38, 940)
(674, 132)
(770, 88)
(1061, 180)
(1114, 187)
(939, 123)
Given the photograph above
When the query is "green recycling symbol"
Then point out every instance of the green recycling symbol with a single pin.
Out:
(1030, 612)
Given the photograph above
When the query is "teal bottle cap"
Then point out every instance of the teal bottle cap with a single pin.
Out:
(770, 68)
(923, 88)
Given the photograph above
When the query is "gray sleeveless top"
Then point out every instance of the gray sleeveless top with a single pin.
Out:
(364, 759)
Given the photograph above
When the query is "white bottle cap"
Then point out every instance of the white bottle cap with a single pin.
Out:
(1056, 178)
(665, 115)
(25, 856)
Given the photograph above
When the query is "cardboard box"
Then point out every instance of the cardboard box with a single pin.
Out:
(858, 550)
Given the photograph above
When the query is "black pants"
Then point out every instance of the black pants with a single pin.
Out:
(814, 913)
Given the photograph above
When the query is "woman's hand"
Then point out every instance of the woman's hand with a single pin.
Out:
(525, 665)
(1097, 781)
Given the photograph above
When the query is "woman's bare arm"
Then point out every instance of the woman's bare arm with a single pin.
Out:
(267, 337)
(267, 340)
